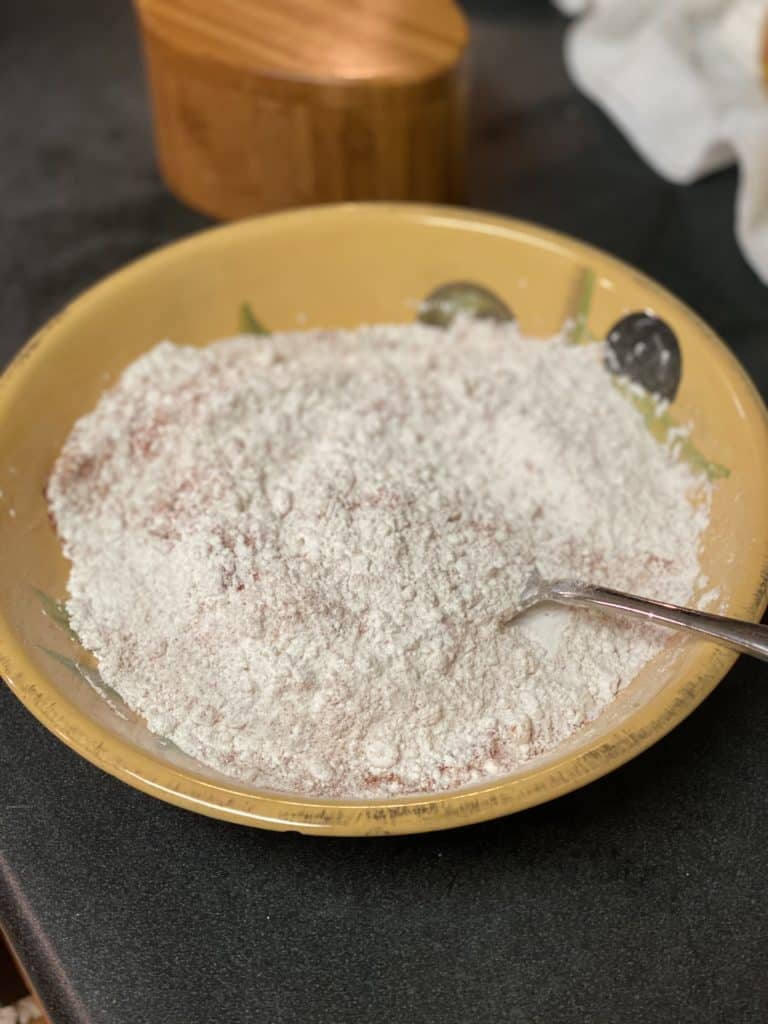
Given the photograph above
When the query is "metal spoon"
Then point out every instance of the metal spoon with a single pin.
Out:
(746, 637)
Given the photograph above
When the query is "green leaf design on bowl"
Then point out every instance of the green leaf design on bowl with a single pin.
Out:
(248, 322)
(55, 610)
(444, 304)
(90, 675)
(579, 333)
(661, 426)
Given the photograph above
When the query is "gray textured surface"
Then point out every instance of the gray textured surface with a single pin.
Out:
(638, 899)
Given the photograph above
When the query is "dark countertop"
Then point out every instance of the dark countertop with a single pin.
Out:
(640, 898)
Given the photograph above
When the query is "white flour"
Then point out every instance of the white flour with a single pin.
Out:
(290, 554)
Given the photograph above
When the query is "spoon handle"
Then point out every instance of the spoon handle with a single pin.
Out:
(746, 637)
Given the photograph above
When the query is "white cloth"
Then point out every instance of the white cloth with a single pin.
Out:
(683, 80)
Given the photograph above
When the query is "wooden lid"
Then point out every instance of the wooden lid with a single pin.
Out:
(396, 41)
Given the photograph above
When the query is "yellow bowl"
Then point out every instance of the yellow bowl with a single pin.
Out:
(344, 265)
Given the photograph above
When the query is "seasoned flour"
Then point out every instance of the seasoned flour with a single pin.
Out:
(291, 554)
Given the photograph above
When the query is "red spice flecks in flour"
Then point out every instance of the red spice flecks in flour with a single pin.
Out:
(290, 555)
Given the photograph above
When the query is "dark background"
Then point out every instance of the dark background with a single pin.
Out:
(638, 899)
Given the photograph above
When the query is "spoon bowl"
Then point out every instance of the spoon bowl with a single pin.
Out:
(737, 634)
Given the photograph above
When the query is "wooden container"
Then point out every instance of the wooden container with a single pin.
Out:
(264, 104)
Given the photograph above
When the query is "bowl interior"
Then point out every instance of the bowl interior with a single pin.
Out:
(345, 266)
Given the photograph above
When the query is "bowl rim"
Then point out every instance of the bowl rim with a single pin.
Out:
(489, 799)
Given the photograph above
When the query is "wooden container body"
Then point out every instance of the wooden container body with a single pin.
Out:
(234, 140)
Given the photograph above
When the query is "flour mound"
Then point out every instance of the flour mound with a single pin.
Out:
(291, 554)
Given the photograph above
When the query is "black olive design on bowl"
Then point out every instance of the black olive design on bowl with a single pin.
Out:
(645, 349)
(442, 306)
